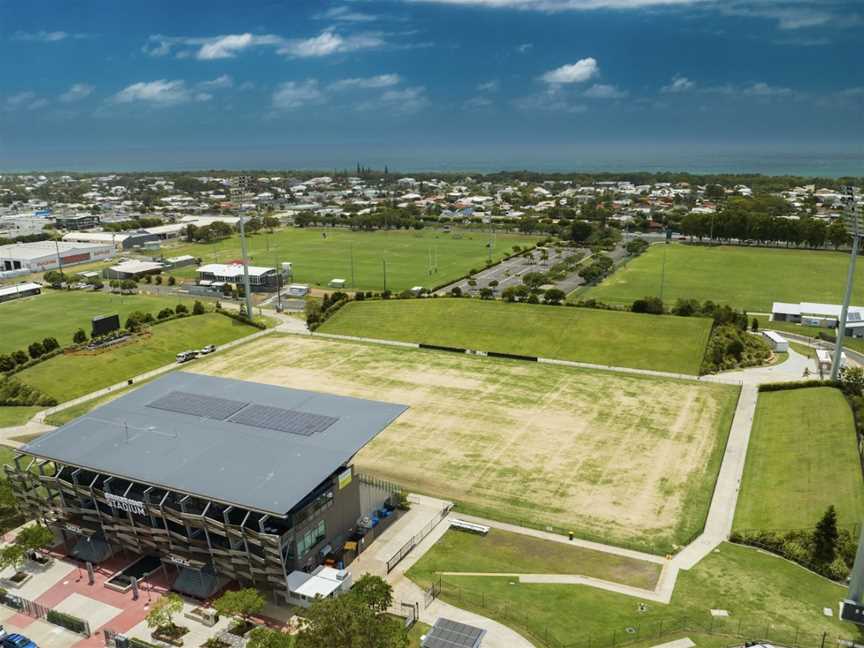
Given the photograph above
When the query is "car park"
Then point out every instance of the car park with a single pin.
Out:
(16, 640)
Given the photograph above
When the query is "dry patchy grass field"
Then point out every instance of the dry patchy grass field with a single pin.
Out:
(626, 459)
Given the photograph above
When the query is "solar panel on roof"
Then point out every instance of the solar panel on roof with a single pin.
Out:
(199, 405)
(853, 316)
(451, 634)
(283, 420)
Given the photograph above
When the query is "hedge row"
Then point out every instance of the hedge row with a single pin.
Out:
(241, 318)
(69, 622)
(799, 384)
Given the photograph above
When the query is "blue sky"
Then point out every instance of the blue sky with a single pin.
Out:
(428, 84)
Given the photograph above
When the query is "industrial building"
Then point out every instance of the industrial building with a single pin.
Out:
(133, 269)
(120, 240)
(221, 480)
(77, 222)
(50, 255)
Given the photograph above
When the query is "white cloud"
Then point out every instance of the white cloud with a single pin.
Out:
(565, 5)
(604, 91)
(577, 72)
(77, 92)
(678, 84)
(346, 14)
(401, 101)
(476, 103)
(378, 81)
(488, 86)
(25, 99)
(219, 83)
(294, 94)
(329, 42)
(524, 47)
(159, 93)
(553, 99)
(762, 89)
(43, 36)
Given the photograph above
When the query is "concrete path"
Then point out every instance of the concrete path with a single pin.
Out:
(678, 643)
(721, 513)
(789, 371)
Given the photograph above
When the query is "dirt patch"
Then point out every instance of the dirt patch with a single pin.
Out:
(610, 454)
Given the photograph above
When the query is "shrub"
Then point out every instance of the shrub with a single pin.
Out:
(197, 308)
(554, 296)
(165, 313)
(36, 350)
(686, 307)
(181, 309)
(49, 344)
(20, 357)
(486, 293)
(136, 319)
(80, 336)
(171, 280)
(650, 305)
(456, 291)
(6, 362)
(158, 280)
(67, 621)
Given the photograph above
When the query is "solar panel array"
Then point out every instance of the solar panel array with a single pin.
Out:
(283, 420)
(450, 634)
(199, 405)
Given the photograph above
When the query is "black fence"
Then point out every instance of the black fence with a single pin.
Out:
(38, 611)
(736, 630)
(417, 539)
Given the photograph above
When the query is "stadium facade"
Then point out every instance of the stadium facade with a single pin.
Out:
(220, 479)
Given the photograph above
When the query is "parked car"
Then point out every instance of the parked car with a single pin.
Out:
(16, 640)
(185, 356)
(210, 348)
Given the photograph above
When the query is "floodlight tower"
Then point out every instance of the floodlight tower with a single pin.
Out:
(242, 185)
(856, 231)
(852, 607)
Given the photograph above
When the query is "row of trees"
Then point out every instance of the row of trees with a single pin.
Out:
(761, 220)
(35, 350)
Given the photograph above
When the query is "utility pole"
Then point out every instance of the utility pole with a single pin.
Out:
(384, 261)
(242, 188)
(353, 285)
(663, 274)
(854, 229)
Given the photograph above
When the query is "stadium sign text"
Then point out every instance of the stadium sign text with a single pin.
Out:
(124, 504)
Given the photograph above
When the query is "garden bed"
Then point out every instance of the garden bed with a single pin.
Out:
(171, 634)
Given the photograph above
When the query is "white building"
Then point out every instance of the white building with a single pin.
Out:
(821, 315)
(50, 255)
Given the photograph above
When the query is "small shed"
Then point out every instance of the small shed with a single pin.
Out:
(337, 283)
(824, 360)
(778, 342)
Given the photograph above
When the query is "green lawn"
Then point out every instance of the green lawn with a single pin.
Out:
(748, 278)
(59, 313)
(318, 259)
(768, 596)
(664, 343)
(503, 552)
(12, 416)
(802, 458)
(68, 376)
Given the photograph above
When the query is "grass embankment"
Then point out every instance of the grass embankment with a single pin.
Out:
(752, 278)
(768, 596)
(801, 459)
(503, 552)
(59, 313)
(14, 416)
(414, 258)
(71, 375)
(663, 343)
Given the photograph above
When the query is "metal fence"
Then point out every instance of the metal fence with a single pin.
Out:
(418, 538)
(636, 630)
(38, 611)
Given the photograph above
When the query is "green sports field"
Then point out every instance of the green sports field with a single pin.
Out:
(68, 376)
(767, 598)
(663, 343)
(320, 255)
(59, 313)
(748, 278)
(801, 459)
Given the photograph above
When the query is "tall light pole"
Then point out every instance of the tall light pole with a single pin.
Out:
(854, 228)
(242, 188)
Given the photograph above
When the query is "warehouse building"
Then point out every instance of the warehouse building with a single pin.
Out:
(50, 255)
(120, 240)
(221, 480)
(133, 269)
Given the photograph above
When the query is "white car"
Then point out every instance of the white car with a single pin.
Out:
(210, 348)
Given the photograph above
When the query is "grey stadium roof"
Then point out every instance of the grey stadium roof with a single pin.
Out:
(252, 445)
